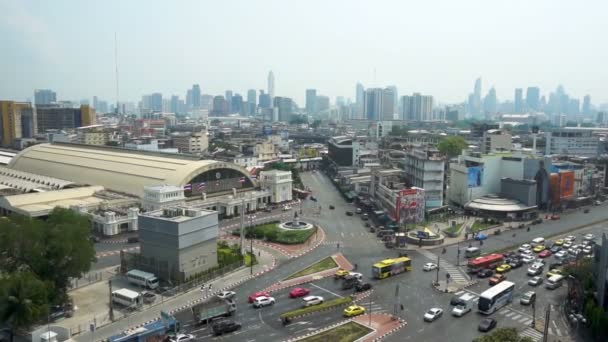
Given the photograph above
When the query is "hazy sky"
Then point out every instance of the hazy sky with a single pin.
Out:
(433, 47)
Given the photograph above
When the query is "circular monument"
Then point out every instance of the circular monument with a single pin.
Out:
(295, 224)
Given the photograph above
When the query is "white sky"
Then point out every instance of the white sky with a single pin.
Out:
(433, 47)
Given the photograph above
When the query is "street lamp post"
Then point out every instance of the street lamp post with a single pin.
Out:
(251, 218)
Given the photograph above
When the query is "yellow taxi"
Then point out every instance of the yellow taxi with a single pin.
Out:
(354, 310)
(503, 268)
(341, 273)
(539, 249)
(555, 271)
(559, 242)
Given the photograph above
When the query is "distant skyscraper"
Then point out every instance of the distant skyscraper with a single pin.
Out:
(18, 121)
(228, 97)
(373, 104)
(360, 101)
(321, 103)
(271, 85)
(264, 100)
(388, 104)
(490, 101)
(311, 101)
(220, 107)
(474, 102)
(533, 98)
(417, 107)
(574, 107)
(174, 107)
(340, 101)
(395, 92)
(284, 106)
(519, 101)
(196, 96)
(237, 104)
(156, 102)
(587, 105)
(251, 101)
(95, 102)
(44, 96)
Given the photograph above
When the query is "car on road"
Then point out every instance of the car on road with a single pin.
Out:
(312, 198)
(544, 254)
(182, 338)
(254, 296)
(148, 296)
(534, 271)
(484, 273)
(516, 263)
(429, 266)
(226, 294)
(497, 278)
(570, 238)
(133, 239)
(535, 281)
(538, 249)
(480, 237)
(353, 310)
(332, 207)
(487, 324)
(587, 250)
(537, 241)
(526, 252)
(461, 310)
(286, 208)
(588, 237)
(525, 247)
(528, 259)
(361, 286)
(312, 300)
(555, 249)
(503, 268)
(166, 291)
(60, 311)
(456, 300)
(567, 244)
(537, 221)
(586, 211)
(349, 213)
(555, 271)
(433, 314)
(358, 211)
(561, 254)
(527, 298)
(341, 273)
(263, 301)
(299, 292)
(268, 209)
(225, 326)
(559, 242)
(356, 275)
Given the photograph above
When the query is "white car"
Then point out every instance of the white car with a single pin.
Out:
(182, 338)
(526, 252)
(525, 247)
(587, 250)
(263, 301)
(535, 281)
(357, 275)
(533, 271)
(461, 310)
(429, 266)
(570, 238)
(561, 254)
(312, 300)
(433, 314)
(567, 244)
(589, 237)
(538, 265)
(528, 259)
(286, 208)
(226, 294)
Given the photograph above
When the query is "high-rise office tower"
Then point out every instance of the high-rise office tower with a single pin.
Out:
(395, 93)
(474, 101)
(18, 121)
(284, 106)
(533, 98)
(340, 101)
(196, 96)
(95, 102)
(417, 107)
(311, 101)
(228, 97)
(44, 96)
(174, 106)
(236, 104)
(574, 107)
(360, 101)
(156, 102)
(220, 107)
(251, 101)
(271, 85)
(264, 100)
(373, 104)
(518, 102)
(321, 103)
(490, 101)
(587, 105)
(388, 103)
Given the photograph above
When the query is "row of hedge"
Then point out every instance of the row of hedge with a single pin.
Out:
(325, 305)
(272, 233)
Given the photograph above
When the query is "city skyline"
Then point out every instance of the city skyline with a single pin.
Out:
(43, 51)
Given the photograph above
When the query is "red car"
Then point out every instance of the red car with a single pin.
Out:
(544, 254)
(258, 294)
(497, 278)
(299, 292)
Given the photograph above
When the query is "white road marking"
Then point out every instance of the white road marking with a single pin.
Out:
(459, 293)
(326, 290)
(510, 314)
(516, 317)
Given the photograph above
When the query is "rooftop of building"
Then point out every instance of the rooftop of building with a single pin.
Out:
(497, 203)
(179, 214)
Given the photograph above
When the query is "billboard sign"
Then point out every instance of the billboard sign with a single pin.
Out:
(410, 206)
(267, 130)
(567, 184)
(475, 176)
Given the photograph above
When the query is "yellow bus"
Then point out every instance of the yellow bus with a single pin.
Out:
(391, 267)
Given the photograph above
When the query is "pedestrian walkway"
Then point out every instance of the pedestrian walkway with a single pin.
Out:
(532, 333)
(456, 274)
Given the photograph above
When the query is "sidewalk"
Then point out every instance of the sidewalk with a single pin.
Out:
(266, 262)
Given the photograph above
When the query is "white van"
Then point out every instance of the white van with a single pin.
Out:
(142, 278)
(126, 297)
(554, 282)
(472, 252)
(538, 241)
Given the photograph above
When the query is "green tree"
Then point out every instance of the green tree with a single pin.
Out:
(503, 335)
(23, 300)
(452, 146)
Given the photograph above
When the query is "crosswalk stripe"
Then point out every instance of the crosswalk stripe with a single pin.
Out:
(551, 331)
(509, 314)
(533, 334)
(528, 322)
(523, 319)
(459, 293)
(503, 312)
(516, 317)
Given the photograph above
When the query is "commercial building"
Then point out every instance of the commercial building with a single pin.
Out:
(311, 101)
(196, 142)
(373, 104)
(389, 193)
(18, 121)
(44, 96)
(343, 151)
(425, 168)
(572, 141)
(495, 140)
(278, 183)
(388, 104)
(322, 103)
(176, 243)
(417, 107)
(92, 135)
(284, 106)
(271, 85)
(518, 103)
(533, 98)
(56, 117)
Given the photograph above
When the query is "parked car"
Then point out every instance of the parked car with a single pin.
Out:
(299, 292)
(358, 210)
(268, 209)
(588, 237)
(537, 221)
(433, 314)
(487, 324)
(263, 301)
(149, 297)
(535, 281)
(61, 311)
(225, 326)
(484, 273)
(133, 239)
(429, 266)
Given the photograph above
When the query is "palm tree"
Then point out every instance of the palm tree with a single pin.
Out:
(23, 300)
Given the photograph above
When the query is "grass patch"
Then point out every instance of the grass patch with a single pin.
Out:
(454, 230)
(321, 265)
(272, 233)
(228, 254)
(479, 226)
(314, 308)
(249, 258)
(348, 332)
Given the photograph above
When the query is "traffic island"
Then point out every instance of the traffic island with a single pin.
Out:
(287, 317)
(346, 331)
(322, 265)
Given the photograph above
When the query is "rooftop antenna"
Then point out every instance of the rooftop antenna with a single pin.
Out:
(116, 110)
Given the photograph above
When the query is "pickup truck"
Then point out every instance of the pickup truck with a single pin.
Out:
(214, 308)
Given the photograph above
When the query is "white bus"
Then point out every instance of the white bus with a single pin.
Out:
(142, 278)
(554, 281)
(496, 297)
(126, 297)
(472, 252)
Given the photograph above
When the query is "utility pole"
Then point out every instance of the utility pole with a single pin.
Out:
(370, 306)
(251, 258)
(437, 280)
(111, 301)
(242, 234)
(546, 329)
(397, 305)
(534, 313)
